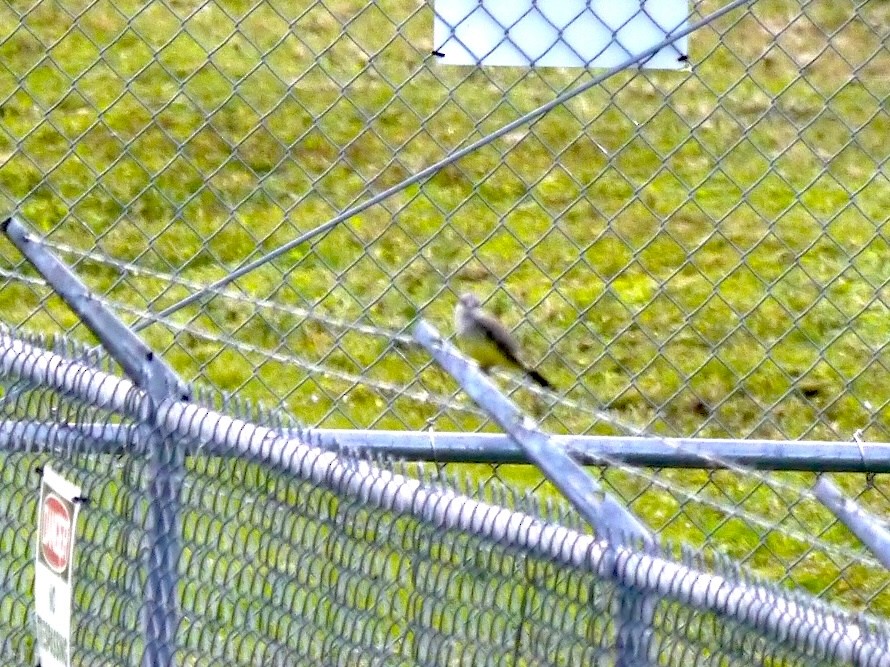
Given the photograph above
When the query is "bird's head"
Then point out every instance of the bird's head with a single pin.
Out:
(468, 300)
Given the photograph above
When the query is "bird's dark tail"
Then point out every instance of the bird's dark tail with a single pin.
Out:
(540, 379)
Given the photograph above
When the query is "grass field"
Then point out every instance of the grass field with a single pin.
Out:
(704, 251)
(701, 252)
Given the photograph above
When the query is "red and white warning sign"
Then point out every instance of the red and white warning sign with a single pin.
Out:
(53, 571)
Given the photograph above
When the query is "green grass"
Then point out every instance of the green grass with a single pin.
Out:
(720, 270)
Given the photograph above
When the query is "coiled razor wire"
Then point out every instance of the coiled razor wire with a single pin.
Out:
(805, 625)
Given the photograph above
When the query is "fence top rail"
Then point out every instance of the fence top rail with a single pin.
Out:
(643, 451)
(810, 625)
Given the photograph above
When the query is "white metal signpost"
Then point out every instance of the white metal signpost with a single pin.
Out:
(53, 569)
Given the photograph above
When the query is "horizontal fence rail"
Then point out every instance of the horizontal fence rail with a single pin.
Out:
(455, 447)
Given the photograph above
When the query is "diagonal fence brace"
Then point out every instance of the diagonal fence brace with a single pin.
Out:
(160, 614)
(862, 524)
(598, 508)
(147, 370)
(609, 518)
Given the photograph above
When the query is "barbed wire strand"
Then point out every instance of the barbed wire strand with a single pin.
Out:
(423, 396)
(228, 293)
(396, 336)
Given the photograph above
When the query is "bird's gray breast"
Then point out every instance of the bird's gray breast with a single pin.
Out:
(463, 320)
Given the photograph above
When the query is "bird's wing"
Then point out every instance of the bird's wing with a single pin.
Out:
(498, 334)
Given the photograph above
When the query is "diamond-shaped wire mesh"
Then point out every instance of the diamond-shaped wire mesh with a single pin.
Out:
(699, 252)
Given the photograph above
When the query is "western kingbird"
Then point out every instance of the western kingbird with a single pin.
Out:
(488, 341)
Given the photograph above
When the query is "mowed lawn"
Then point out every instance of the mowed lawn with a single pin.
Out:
(700, 252)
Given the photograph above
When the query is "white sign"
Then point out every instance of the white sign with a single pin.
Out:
(558, 33)
(53, 570)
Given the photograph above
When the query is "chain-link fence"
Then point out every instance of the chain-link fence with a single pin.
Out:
(296, 555)
(693, 252)
(700, 251)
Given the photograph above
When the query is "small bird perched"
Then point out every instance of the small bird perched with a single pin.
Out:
(488, 341)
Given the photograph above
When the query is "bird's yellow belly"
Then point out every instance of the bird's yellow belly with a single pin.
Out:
(483, 351)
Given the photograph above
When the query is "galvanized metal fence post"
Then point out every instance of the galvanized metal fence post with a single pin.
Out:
(160, 615)
(610, 519)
